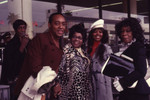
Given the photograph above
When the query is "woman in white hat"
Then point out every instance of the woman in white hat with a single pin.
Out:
(99, 51)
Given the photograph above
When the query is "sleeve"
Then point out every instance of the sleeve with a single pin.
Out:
(34, 56)
(139, 61)
(62, 74)
(12, 61)
(107, 52)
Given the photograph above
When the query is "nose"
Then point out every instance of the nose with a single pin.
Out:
(23, 29)
(60, 25)
(124, 32)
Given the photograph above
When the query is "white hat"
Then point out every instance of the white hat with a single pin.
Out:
(97, 24)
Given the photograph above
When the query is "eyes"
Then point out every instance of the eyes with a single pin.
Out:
(97, 31)
(77, 37)
(122, 31)
(125, 29)
(22, 27)
(57, 23)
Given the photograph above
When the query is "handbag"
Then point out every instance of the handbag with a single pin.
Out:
(121, 66)
(117, 66)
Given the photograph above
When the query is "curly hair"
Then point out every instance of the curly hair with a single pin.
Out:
(135, 26)
(80, 29)
(101, 48)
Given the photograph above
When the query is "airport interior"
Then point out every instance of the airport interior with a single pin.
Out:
(36, 14)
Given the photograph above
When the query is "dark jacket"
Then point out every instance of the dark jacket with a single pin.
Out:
(136, 51)
(13, 60)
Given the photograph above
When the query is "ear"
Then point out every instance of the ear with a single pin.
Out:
(49, 25)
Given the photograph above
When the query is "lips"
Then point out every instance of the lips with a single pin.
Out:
(98, 37)
(60, 31)
(75, 42)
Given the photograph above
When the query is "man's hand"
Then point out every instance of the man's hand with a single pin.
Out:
(24, 41)
(57, 90)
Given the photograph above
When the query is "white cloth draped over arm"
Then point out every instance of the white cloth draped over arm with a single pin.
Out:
(30, 89)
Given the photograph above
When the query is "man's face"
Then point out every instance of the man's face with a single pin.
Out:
(21, 30)
(58, 25)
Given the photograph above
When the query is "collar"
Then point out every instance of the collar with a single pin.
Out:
(128, 44)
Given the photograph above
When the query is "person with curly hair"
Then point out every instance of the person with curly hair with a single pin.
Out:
(74, 71)
(130, 33)
(99, 51)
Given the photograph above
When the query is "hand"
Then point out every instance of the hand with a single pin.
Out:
(117, 84)
(43, 97)
(57, 90)
(24, 41)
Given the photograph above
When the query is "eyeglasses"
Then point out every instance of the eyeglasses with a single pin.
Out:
(77, 37)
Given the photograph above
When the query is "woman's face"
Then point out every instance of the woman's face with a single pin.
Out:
(97, 35)
(126, 34)
(77, 40)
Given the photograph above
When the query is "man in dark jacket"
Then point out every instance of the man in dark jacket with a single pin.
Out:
(14, 54)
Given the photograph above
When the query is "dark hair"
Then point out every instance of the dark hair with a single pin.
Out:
(17, 23)
(135, 26)
(52, 15)
(80, 29)
(103, 40)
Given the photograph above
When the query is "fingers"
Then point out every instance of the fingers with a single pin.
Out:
(116, 79)
(117, 85)
(43, 97)
(57, 90)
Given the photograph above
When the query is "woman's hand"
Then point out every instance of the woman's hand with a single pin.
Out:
(117, 84)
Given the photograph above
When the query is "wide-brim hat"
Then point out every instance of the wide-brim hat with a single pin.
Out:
(97, 24)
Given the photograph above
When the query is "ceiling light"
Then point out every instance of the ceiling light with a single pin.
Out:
(2, 2)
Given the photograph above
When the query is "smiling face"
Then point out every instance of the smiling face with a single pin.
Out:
(126, 34)
(77, 40)
(97, 34)
(21, 30)
(58, 25)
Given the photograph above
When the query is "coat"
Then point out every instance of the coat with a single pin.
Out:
(41, 52)
(13, 60)
(74, 75)
(101, 84)
(137, 52)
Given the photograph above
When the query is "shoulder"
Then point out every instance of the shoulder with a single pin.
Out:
(69, 51)
(136, 48)
(41, 35)
(13, 43)
(108, 48)
(138, 45)
(68, 48)
(14, 40)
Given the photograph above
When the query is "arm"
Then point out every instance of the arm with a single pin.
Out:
(24, 42)
(34, 55)
(139, 60)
